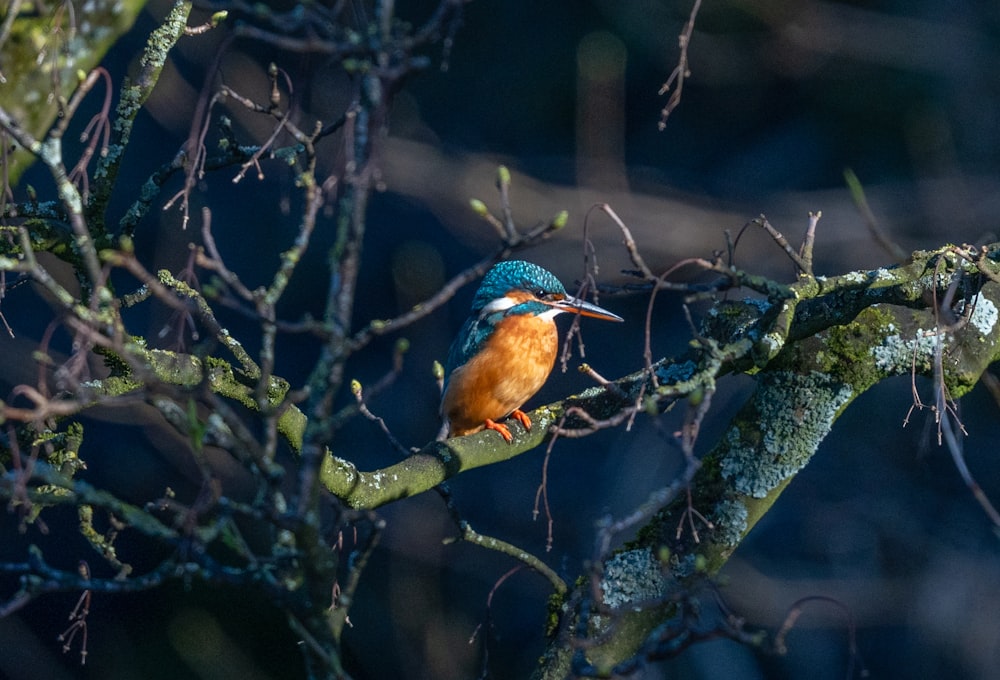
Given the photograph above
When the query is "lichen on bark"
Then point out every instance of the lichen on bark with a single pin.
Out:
(46, 48)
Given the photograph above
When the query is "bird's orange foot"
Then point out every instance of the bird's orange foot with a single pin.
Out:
(499, 427)
(518, 415)
(522, 417)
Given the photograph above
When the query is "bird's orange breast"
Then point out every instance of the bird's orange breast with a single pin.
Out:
(513, 364)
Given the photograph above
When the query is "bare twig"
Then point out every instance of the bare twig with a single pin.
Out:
(467, 533)
(874, 228)
(795, 611)
(681, 71)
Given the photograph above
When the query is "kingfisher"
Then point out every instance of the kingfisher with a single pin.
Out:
(507, 347)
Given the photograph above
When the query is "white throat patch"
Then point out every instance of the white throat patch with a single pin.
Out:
(550, 313)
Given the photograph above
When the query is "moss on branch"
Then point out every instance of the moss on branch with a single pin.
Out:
(44, 55)
(857, 330)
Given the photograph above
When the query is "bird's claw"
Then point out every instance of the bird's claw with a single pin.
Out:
(499, 427)
(522, 417)
(518, 415)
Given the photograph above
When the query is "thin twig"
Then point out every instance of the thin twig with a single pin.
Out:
(681, 71)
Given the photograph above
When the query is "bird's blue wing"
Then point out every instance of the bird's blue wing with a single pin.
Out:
(470, 340)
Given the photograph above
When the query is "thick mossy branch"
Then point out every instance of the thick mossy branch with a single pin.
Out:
(185, 370)
(867, 327)
(434, 464)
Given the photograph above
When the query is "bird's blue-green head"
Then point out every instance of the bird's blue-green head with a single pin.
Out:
(519, 287)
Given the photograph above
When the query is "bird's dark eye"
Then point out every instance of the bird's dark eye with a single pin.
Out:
(541, 294)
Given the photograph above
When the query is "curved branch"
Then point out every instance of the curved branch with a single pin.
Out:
(869, 326)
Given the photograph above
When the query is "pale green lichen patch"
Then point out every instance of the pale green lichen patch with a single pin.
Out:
(632, 577)
(730, 520)
(729, 321)
(794, 413)
(897, 354)
(684, 565)
(858, 278)
(672, 374)
(984, 315)
(883, 275)
(378, 479)
(339, 476)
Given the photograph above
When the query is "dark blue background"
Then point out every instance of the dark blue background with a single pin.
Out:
(782, 97)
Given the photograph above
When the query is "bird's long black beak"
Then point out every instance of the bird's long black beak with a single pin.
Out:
(584, 308)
